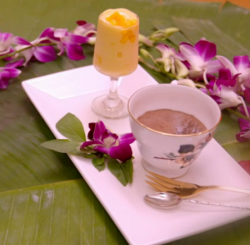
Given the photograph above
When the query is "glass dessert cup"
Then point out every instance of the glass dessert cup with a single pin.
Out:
(111, 105)
(115, 55)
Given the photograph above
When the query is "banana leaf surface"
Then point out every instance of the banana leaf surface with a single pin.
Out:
(43, 198)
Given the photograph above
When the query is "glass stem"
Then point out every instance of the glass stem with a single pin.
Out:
(113, 101)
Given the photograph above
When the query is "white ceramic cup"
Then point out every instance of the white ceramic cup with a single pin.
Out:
(171, 154)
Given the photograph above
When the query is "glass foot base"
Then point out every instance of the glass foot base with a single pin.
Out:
(99, 107)
(167, 172)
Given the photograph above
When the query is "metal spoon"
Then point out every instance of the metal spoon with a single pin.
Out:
(166, 200)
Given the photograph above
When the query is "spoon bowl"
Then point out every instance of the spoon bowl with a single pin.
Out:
(162, 200)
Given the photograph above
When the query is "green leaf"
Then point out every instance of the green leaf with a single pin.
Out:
(63, 146)
(99, 163)
(71, 127)
(117, 170)
(60, 213)
(128, 170)
(90, 156)
(87, 150)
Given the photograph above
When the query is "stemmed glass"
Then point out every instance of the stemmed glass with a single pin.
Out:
(115, 55)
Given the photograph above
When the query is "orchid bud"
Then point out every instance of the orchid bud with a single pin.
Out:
(161, 35)
(184, 82)
(91, 40)
(145, 53)
(171, 31)
(181, 70)
(144, 40)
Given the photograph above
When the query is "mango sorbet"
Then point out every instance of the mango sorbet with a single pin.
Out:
(116, 48)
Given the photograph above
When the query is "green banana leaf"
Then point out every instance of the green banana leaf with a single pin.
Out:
(43, 198)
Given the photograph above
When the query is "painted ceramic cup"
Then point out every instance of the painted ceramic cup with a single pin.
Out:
(171, 154)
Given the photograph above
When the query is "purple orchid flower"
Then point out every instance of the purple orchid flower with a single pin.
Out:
(48, 33)
(41, 53)
(244, 135)
(6, 73)
(199, 58)
(172, 61)
(6, 39)
(85, 29)
(241, 66)
(104, 141)
(221, 90)
(226, 79)
(246, 93)
(71, 43)
(14, 64)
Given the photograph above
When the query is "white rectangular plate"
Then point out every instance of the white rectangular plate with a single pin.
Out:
(73, 91)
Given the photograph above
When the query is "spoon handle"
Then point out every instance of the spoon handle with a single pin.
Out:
(215, 204)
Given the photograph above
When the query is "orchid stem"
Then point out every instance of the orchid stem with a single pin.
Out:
(148, 65)
(151, 57)
(242, 87)
(155, 69)
(237, 114)
(245, 107)
(205, 76)
(21, 50)
(198, 85)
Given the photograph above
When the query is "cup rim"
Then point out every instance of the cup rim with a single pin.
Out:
(169, 134)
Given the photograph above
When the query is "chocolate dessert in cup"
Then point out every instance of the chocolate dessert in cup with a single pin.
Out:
(171, 153)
